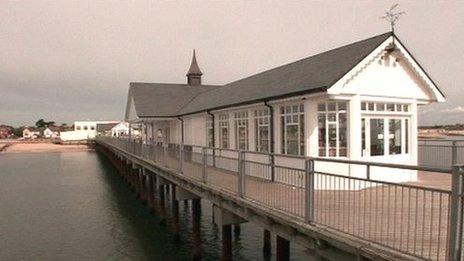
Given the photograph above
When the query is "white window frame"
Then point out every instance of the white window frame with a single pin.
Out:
(337, 111)
(284, 113)
(223, 121)
(209, 127)
(405, 146)
(262, 120)
(241, 121)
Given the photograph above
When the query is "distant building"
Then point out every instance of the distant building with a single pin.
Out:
(104, 129)
(52, 132)
(122, 129)
(83, 130)
(31, 132)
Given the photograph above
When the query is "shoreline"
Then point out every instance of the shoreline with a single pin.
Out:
(40, 147)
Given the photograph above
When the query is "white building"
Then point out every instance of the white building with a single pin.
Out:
(122, 129)
(83, 130)
(51, 132)
(31, 133)
(357, 102)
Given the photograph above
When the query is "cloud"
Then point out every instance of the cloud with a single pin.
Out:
(455, 110)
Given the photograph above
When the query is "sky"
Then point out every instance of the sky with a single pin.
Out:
(73, 60)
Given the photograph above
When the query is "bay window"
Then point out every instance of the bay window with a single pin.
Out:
(262, 130)
(332, 129)
(292, 129)
(384, 129)
(241, 130)
(224, 131)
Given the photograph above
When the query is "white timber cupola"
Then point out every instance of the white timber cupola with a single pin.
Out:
(194, 73)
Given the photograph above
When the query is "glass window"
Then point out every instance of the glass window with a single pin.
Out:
(78, 127)
(209, 131)
(371, 106)
(377, 137)
(241, 130)
(332, 130)
(92, 127)
(363, 137)
(322, 135)
(262, 130)
(85, 127)
(380, 106)
(332, 140)
(394, 136)
(224, 130)
(342, 137)
(390, 107)
(292, 129)
(406, 136)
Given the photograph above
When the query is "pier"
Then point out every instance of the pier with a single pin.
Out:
(336, 216)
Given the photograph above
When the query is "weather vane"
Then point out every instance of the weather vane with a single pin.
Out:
(392, 16)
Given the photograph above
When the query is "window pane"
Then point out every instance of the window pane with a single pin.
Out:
(332, 140)
(380, 106)
(342, 143)
(342, 106)
(302, 136)
(331, 117)
(363, 137)
(282, 134)
(331, 106)
(322, 134)
(292, 139)
(394, 137)
(377, 137)
(363, 106)
(264, 139)
(406, 135)
(390, 107)
(371, 106)
(295, 108)
(242, 138)
(321, 107)
(225, 138)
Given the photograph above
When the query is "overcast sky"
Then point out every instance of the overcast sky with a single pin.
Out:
(73, 60)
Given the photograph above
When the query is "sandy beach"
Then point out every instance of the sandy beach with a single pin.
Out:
(38, 147)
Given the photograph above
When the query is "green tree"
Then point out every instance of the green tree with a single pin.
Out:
(40, 123)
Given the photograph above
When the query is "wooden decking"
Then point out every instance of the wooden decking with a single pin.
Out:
(411, 219)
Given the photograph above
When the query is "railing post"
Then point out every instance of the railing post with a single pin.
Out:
(272, 161)
(165, 152)
(241, 174)
(454, 153)
(309, 190)
(368, 171)
(456, 215)
(205, 164)
(181, 156)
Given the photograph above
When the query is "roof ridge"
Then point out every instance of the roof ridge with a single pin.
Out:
(312, 56)
(175, 84)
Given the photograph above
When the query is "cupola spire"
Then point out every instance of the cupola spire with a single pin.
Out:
(194, 73)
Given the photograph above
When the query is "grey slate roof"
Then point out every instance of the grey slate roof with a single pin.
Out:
(105, 126)
(163, 99)
(315, 73)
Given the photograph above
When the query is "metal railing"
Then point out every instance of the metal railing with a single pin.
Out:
(377, 202)
(440, 153)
